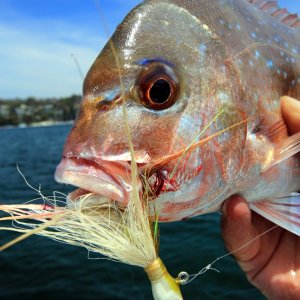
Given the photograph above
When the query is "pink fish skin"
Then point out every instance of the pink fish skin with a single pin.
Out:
(181, 63)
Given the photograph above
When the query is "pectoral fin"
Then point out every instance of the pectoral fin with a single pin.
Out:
(284, 150)
(284, 211)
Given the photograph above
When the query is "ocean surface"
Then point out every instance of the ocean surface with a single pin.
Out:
(39, 268)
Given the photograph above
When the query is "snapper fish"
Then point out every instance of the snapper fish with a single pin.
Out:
(182, 63)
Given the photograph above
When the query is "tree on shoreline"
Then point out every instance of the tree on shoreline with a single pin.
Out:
(31, 110)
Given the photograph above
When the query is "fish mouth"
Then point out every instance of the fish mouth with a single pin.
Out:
(105, 178)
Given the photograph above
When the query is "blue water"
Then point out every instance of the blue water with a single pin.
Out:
(39, 268)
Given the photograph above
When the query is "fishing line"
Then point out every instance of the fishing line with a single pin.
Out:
(79, 69)
(197, 136)
(151, 168)
(186, 278)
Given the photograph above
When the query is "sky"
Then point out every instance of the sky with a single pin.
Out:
(40, 38)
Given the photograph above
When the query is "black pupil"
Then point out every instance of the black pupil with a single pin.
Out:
(160, 91)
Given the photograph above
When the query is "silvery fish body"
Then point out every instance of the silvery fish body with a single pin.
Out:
(182, 62)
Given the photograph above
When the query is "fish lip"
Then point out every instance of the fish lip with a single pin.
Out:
(94, 176)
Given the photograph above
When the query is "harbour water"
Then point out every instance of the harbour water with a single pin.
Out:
(39, 268)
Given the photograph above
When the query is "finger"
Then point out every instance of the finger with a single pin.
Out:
(290, 109)
(237, 229)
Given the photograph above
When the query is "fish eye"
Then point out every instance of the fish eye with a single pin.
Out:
(158, 86)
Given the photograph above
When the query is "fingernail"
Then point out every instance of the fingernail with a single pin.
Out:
(293, 103)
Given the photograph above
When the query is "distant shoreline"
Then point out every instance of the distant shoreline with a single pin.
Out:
(39, 124)
(32, 112)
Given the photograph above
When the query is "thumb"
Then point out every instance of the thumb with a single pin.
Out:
(290, 109)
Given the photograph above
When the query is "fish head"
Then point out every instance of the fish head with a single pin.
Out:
(165, 69)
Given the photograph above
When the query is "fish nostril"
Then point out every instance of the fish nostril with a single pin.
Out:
(104, 105)
(107, 104)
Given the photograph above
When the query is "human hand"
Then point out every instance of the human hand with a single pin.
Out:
(290, 110)
(272, 261)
